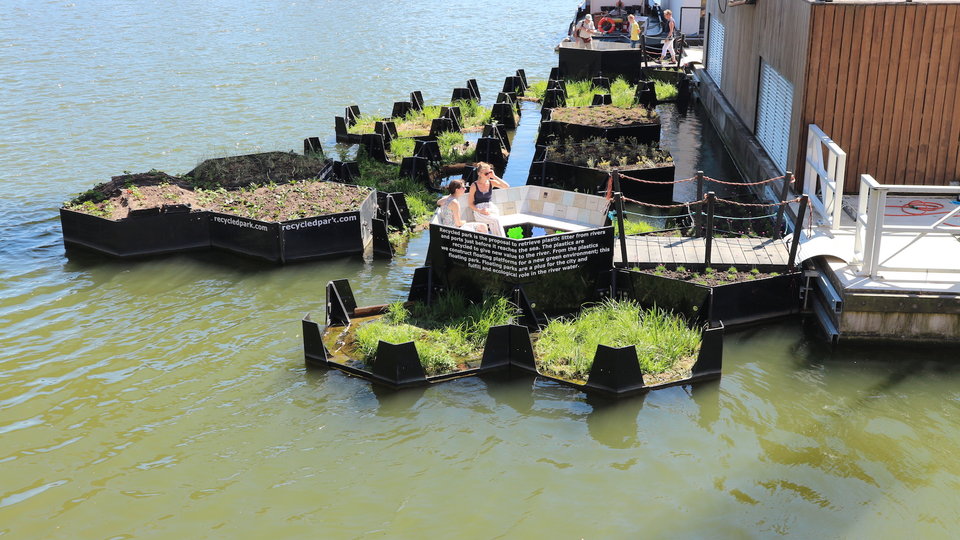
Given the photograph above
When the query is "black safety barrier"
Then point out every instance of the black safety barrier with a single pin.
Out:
(387, 129)
(375, 145)
(499, 131)
(464, 94)
(513, 84)
(657, 189)
(417, 168)
(381, 239)
(601, 82)
(351, 114)
(392, 208)
(416, 100)
(645, 94)
(427, 148)
(506, 114)
(554, 98)
(490, 149)
(474, 89)
(401, 109)
(523, 78)
(311, 145)
(440, 125)
(504, 97)
(452, 113)
(347, 172)
(344, 136)
(557, 85)
(602, 99)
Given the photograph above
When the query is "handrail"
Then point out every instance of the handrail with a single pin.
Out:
(870, 226)
(827, 201)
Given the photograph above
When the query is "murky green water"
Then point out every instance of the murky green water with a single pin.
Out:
(168, 398)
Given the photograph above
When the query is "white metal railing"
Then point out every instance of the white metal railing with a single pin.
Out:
(824, 175)
(871, 227)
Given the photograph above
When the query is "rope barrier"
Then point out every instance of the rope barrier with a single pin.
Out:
(761, 182)
(648, 216)
(656, 182)
(681, 205)
(758, 205)
(742, 218)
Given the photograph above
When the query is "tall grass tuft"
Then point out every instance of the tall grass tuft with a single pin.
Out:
(566, 347)
(450, 329)
(665, 90)
(536, 90)
(402, 147)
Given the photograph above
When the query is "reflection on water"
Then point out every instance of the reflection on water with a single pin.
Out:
(174, 388)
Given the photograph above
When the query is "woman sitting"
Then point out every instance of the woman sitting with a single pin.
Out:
(481, 192)
(450, 209)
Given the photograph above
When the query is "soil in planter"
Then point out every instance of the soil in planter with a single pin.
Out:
(599, 153)
(666, 347)
(710, 277)
(239, 171)
(273, 202)
(449, 334)
(605, 116)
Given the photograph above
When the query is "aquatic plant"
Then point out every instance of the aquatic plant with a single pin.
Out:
(665, 91)
(446, 333)
(634, 227)
(599, 152)
(566, 346)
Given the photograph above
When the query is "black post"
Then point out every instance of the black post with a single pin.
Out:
(784, 191)
(618, 200)
(711, 201)
(797, 227)
(698, 217)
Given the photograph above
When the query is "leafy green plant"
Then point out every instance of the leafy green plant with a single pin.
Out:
(665, 90)
(566, 346)
(599, 152)
(450, 330)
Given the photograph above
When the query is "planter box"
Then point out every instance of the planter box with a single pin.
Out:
(592, 180)
(615, 372)
(171, 230)
(645, 133)
(154, 232)
(733, 304)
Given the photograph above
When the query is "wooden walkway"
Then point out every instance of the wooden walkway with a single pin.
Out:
(745, 252)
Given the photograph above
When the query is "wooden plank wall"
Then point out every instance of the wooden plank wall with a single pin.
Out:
(883, 83)
(776, 31)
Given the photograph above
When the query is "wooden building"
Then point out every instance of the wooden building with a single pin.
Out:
(880, 78)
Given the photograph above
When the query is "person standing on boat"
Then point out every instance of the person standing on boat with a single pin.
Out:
(481, 193)
(634, 31)
(671, 29)
(584, 32)
(450, 209)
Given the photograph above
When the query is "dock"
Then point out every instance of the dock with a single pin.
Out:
(746, 253)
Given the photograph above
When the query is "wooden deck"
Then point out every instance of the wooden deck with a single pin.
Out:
(744, 252)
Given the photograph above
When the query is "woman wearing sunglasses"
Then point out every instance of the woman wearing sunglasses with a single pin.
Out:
(481, 192)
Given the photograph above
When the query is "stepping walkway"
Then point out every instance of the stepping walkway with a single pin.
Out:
(672, 250)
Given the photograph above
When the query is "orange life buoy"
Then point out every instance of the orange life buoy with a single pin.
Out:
(610, 25)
